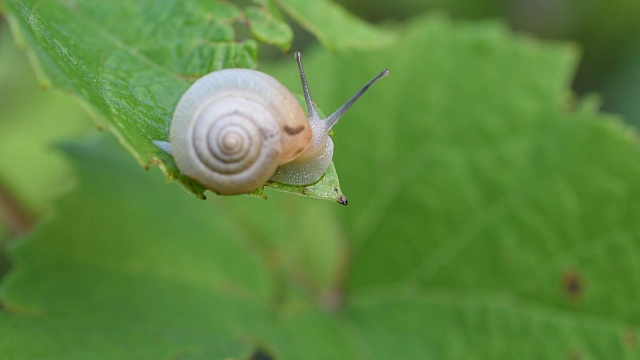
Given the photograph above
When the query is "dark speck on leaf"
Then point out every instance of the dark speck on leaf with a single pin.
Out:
(573, 285)
(260, 354)
(343, 200)
(183, 355)
(574, 356)
(630, 339)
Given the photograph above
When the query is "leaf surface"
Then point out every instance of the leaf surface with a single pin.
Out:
(131, 282)
(335, 27)
(29, 169)
(492, 216)
(132, 61)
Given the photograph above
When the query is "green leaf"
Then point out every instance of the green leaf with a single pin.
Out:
(131, 62)
(488, 218)
(131, 72)
(31, 121)
(335, 27)
(120, 279)
(328, 188)
(268, 28)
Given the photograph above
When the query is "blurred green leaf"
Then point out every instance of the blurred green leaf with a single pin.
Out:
(621, 91)
(488, 218)
(335, 27)
(268, 28)
(131, 268)
(133, 61)
(31, 120)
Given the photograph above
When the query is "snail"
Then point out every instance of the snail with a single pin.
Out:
(235, 129)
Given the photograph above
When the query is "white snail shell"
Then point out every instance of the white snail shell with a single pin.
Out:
(235, 129)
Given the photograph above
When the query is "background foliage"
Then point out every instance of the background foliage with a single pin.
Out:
(493, 214)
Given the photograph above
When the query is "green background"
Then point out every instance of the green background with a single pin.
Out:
(493, 206)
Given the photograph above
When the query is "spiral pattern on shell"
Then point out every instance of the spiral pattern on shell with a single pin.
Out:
(226, 134)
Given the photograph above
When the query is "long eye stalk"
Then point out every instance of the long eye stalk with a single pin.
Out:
(333, 118)
(313, 113)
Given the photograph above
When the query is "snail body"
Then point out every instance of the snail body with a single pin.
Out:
(235, 129)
